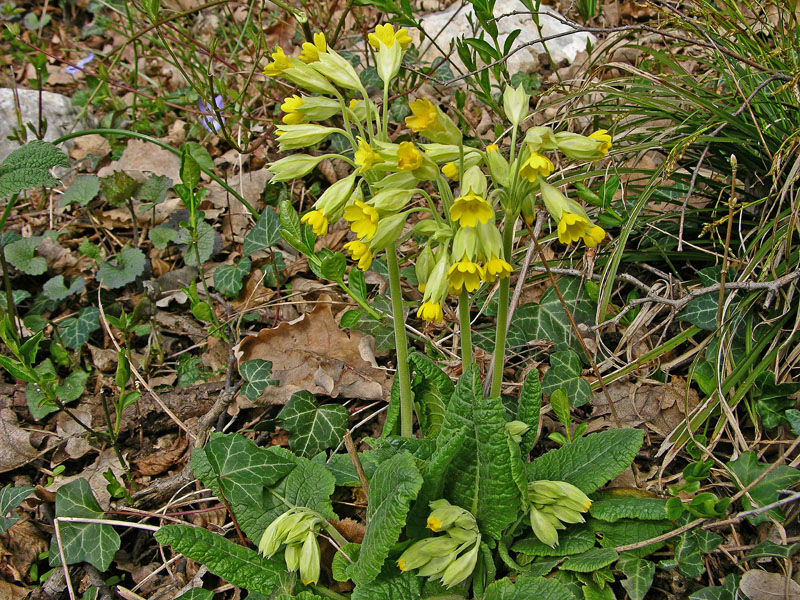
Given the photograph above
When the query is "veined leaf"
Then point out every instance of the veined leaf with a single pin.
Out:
(565, 372)
(639, 576)
(591, 560)
(527, 588)
(75, 331)
(29, 166)
(631, 531)
(573, 540)
(395, 484)
(228, 278)
(782, 477)
(55, 289)
(529, 409)
(391, 584)
(207, 240)
(161, 236)
(313, 428)
(266, 233)
(10, 498)
(629, 507)
(257, 376)
(21, 255)
(123, 269)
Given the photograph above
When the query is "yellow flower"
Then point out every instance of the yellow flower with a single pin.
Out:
(601, 135)
(365, 156)
(279, 65)
(465, 274)
(496, 268)
(470, 209)
(311, 51)
(432, 312)
(492, 148)
(425, 116)
(363, 219)
(593, 236)
(291, 106)
(360, 251)
(386, 34)
(317, 220)
(536, 165)
(409, 158)
(450, 170)
(572, 228)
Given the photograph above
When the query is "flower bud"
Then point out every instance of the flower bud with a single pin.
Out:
(292, 556)
(389, 231)
(413, 558)
(435, 567)
(391, 201)
(436, 285)
(433, 229)
(543, 528)
(291, 137)
(516, 429)
(443, 515)
(338, 70)
(540, 138)
(334, 198)
(307, 78)
(528, 210)
(318, 108)
(274, 534)
(398, 181)
(474, 181)
(498, 165)
(423, 267)
(601, 135)
(516, 103)
(462, 567)
(580, 147)
(465, 243)
(293, 167)
(444, 153)
(309, 559)
(387, 61)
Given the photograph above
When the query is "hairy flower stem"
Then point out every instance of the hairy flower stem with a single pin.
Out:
(466, 332)
(502, 312)
(403, 375)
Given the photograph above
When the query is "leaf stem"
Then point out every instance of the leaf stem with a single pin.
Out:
(401, 342)
(320, 589)
(466, 331)
(502, 312)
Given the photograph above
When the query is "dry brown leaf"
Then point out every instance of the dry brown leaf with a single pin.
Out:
(68, 429)
(162, 460)
(313, 354)
(236, 218)
(15, 445)
(762, 585)
(352, 530)
(89, 145)
(25, 542)
(9, 591)
(141, 159)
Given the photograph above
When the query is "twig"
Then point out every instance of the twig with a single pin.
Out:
(351, 451)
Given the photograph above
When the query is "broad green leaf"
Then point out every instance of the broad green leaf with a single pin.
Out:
(89, 249)
(592, 591)
(769, 549)
(480, 477)
(197, 593)
(75, 331)
(266, 233)
(426, 369)
(773, 399)
(119, 187)
(631, 531)
(199, 153)
(153, 191)
(391, 584)
(257, 376)
(233, 562)
(313, 428)
(161, 236)
(702, 311)
(573, 540)
(228, 278)
(122, 269)
(83, 190)
(429, 404)
(639, 576)
(629, 507)
(29, 166)
(190, 169)
(747, 469)
(589, 461)
(90, 542)
(55, 289)
(729, 590)
(591, 560)
(72, 387)
(206, 242)
(687, 554)
(21, 255)
(527, 588)
(529, 409)
(292, 228)
(392, 488)
(341, 566)
(333, 266)
(357, 284)
(565, 372)
(10, 498)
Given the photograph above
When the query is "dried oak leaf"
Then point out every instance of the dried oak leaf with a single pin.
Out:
(15, 443)
(313, 354)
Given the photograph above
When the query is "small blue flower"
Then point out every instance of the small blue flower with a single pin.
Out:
(209, 119)
(78, 67)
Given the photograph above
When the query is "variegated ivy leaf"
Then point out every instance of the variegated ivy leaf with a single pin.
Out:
(313, 428)
(55, 289)
(256, 374)
(565, 372)
(228, 278)
(75, 331)
(266, 233)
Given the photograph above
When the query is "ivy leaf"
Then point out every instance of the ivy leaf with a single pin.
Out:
(391, 584)
(266, 233)
(21, 255)
(313, 428)
(395, 484)
(10, 498)
(565, 372)
(747, 469)
(228, 278)
(767, 549)
(527, 588)
(206, 243)
(702, 311)
(55, 289)
(237, 564)
(161, 236)
(773, 399)
(639, 576)
(256, 374)
(83, 190)
(75, 331)
(90, 542)
(122, 269)
(29, 166)
(589, 461)
(730, 590)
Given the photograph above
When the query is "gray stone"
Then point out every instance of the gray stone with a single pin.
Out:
(57, 110)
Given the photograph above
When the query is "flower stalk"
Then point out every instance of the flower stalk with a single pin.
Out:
(401, 343)
(502, 311)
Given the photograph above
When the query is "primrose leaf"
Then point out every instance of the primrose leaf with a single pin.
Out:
(75, 331)
(527, 588)
(747, 469)
(21, 255)
(391, 584)
(591, 560)
(55, 289)
(313, 428)
(629, 507)
(83, 190)
(639, 576)
(256, 374)
(589, 461)
(235, 563)
(72, 387)
(29, 166)
(394, 485)
(90, 542)
(10, 498)
(565, 372)
(631, 531)
(228, 278)
(574, 540)
(266, 233)
(530, 406)
(123, 269)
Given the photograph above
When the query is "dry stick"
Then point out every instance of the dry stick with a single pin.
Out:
(577, 331)
(351, 452)
(723, 274)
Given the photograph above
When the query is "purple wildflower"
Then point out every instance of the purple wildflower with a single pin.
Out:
(78, 67)
(209, 119)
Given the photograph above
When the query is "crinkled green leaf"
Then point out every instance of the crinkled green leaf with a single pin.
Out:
(573, 540)
(313, 428)
(257, 376)
(591, 560)
(631, 531)
(118, 187)
(29, 166)
(529, 409)
(747, 469)
(565, 372)
(629, 507)
(10, 498)
(527, 588)
(122, 269)
(87, 248)
(266, 233)
(75, 331)
(638, 576)
(21, 255)
(55, 289)
(83, 190)
(479, 477)
(391, 584)
(393, 487)
(233, 562)
(161, 236)
(589, 461)
(292, 229)
(228, 278)
(341, 565)
(90, 542)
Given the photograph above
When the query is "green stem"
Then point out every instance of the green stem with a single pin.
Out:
(403, 375)
(502, 312)
(384, 133)
(466, 331)
(323, 591)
